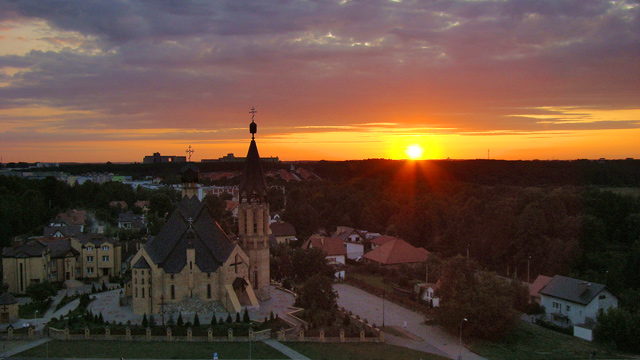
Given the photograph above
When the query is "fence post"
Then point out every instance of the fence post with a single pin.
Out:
(66, 333)
(30, 332)
(301, 334)
(230, 334)
(148, 334)
(169, 337)
(107, 333)
(322, 335)
(128, 333)
(87, 332)
(189, 334)
(281, 335)
(10, 332)
(341, 335)
(361, 335)
(210, 334)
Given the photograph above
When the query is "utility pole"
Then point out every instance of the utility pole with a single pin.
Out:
(528, 272)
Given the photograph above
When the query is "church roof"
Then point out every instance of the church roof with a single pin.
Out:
(212, 247)
(253, 183)
(7, 299)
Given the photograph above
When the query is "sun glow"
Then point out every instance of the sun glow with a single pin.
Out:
(414, 152)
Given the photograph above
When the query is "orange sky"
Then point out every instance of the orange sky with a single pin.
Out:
(115, 81)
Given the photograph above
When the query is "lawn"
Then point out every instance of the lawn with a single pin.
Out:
(373, 280)
(27, 311)
(356, 351)
(152, 350)
(532, 342)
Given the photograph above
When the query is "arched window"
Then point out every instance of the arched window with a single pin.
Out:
(173, 292)
(208, 291)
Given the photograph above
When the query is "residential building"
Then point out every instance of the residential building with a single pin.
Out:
(333, 247)
(131, 221)
(283, 232)
(354, 241)
(99, 256)
(535, 287)
(569, 301)
(395, 252)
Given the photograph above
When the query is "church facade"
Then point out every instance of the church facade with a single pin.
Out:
(192, 257)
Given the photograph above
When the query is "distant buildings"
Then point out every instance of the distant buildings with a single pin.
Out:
(232, 158)
(156, 158)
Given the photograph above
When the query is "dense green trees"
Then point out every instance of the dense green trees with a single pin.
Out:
(486, 301)
(620, 327)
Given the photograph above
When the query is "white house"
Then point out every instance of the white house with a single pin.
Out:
(427, 291)
(353, 241)
(570, 301)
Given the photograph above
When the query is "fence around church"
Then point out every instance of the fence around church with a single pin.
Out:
(281, 335)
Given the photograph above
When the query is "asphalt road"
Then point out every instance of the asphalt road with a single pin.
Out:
(370, 307)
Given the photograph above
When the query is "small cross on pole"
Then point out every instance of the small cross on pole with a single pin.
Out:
(189, 152)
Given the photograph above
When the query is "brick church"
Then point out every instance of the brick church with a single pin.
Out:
(191, 257)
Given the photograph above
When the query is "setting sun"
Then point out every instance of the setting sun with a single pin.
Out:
(414, 152)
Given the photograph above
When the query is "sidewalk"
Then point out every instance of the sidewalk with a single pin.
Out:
(292, 354)
(25, 347)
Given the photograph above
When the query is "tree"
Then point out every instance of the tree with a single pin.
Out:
(214, 320)
(145, 322)
(196, 320)
(245, 317)
(40, 292)
(620, 327)
(229, 319)
(238, 317)
(485, 301)
(160, 204)
(317, 294)
(180, 322)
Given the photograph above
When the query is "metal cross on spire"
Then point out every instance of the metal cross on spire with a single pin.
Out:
(253, 127)
(189, 152)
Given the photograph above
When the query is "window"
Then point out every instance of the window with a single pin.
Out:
(602, 297)
(89, 258)
(142, 281)
(89, 270)
(209, 291)
(568, 308)
(136, 292)
(173, 292)
(105, 248)
(556, 306)
(142, 293)
(105, 258)
(89, 248)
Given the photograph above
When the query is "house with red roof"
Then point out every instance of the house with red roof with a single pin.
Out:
(332, 246)
(393, 251)
(535, 287)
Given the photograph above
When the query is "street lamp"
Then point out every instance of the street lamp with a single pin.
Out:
(35, 314)
(528, 278)
(461, 323)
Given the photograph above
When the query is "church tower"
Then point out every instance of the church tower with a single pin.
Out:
(253, 217)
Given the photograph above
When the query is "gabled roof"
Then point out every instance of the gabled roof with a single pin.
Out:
(282, 229)
(344, 235)
(76, 217)
(332, 246)
(96, 239)
(253, 184)
(540, 282)
(33, 248)
(69, 230)
(577, 291)
(212, 246)
(397, 251)
(141, 264)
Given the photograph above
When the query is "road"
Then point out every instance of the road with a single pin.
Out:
(436, 340)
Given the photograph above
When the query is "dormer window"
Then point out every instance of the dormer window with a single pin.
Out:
(105, 248)
(89, 248)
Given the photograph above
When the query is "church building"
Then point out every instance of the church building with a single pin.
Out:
(192, 257)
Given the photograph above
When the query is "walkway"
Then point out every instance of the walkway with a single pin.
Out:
(292, 354)
(436, 340)
(25, 347)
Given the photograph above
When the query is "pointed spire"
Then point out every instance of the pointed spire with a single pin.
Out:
(253, 187)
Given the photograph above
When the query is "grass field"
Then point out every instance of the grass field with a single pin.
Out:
(152, 350)
(225, 350)
(532, 342)
(357, 351)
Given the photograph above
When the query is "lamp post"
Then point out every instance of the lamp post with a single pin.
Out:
(461, 323)
(528, 273)
(35, 314)
(384, 295)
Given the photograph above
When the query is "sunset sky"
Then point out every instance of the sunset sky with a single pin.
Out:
(111, 80)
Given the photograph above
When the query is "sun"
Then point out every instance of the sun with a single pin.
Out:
(414, 152)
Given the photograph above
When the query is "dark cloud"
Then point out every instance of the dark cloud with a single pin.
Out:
(464, 65)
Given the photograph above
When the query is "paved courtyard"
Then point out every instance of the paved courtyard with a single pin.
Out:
(370, 307)
(107, 303)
